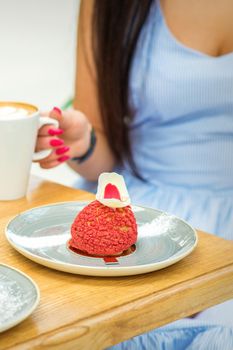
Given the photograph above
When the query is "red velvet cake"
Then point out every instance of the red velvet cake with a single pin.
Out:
(106, 226)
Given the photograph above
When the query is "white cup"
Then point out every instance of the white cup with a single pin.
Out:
(19, 125)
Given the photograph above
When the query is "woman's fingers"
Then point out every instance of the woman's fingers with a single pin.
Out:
(50, 130)
(73, 125)
(74, 130)
(56, 157)
(65, 120)
(51, 164)
(49, 138)
(59, 151)
(46, 142)
(55, 113)
(61, 117)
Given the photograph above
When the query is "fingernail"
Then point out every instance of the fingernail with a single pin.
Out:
(63, 159)
(54, 132)
(57, 110)
(56, 142)
(62, 150)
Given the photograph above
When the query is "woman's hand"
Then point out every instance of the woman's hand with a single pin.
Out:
(71, 139)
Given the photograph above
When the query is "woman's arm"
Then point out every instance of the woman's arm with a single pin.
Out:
(86, 99)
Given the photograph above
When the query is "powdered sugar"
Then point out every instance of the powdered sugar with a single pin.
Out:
(13, 299)
(158, 226)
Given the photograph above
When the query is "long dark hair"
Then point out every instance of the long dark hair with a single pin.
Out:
(116, 25)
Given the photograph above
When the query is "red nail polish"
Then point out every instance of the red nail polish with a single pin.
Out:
(56, 142)
(62, 150)
(57, 110)
(63, 158)
(54, 132)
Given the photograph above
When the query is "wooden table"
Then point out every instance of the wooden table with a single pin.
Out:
(81, 312)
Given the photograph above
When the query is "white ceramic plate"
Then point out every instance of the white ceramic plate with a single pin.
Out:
(42, 233)
(19, 296)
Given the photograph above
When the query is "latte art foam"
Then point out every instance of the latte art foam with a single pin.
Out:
(10, 112)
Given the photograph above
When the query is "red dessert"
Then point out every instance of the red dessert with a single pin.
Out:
(103, 230)
(100, 230)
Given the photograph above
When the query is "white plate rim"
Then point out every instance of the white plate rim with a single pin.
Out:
(32, 308)
(104, 271)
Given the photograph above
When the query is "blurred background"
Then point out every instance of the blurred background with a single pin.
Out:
(37, 59)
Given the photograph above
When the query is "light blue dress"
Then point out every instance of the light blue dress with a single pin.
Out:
(182, 137)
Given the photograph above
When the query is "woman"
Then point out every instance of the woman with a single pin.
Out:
(155, 83)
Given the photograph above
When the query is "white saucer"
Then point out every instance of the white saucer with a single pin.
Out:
(19, 296)
(42, 234)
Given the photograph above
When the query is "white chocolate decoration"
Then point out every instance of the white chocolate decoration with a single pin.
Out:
(112, 191)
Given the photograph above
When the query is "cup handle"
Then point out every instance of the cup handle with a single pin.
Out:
(44, 121)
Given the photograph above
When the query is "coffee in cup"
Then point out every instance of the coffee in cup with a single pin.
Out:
(15, 110)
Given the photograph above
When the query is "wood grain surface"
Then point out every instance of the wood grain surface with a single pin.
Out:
(81, 312)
